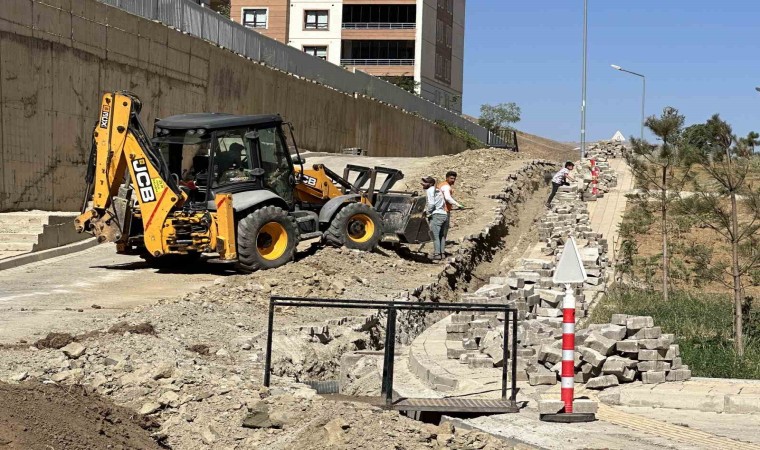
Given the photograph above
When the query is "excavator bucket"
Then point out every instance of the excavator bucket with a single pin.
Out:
(404, 217)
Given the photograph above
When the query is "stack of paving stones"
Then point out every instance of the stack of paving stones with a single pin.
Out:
(605, 149)
(476, 339)
(626, 349)
(600, 152)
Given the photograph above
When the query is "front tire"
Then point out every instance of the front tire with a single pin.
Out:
(357, 226)
(267, 238)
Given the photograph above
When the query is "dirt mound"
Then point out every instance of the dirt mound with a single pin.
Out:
(44, 416)
(125, 327)
(55, 340)
(287, 421)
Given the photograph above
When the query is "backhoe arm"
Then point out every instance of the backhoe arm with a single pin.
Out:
(120, 147)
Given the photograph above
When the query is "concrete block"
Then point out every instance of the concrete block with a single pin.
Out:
(678, 375)
(470, 344)
(627, 346)
(585, 406)
(651, 344)
(457, 328)
(549, 312)
(602, 382)
(601, 344)
(677, 363)
(639, 322)
(592, 357)
(653, 366)
(551, 406)
(651, 355)
(617, 365)
(455, 353)
(627, 376)
(480, 362)
(542, 377)
(646, 333)
(550, 354)
(652, 377)
(673, 351)
(461, 318)
(614, 332)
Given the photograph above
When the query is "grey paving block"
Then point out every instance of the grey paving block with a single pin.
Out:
(678, 375)
(652, 377)
(602, 382)
(639, 322)
(601, 344)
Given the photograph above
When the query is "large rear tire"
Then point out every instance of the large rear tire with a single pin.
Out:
(356, 226)
(267, 238)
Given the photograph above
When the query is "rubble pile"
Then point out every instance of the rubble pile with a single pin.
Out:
(603, 150)
(627, 349)
(476, 339)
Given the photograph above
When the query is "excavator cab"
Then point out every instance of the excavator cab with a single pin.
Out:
(215, 153)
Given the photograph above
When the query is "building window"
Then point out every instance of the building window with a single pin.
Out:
(255, 18)
(318, 51)
(315, 20)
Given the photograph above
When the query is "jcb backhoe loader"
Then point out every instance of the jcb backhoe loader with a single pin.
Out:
(223, 184)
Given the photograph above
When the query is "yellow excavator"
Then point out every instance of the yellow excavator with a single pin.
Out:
(227, 185)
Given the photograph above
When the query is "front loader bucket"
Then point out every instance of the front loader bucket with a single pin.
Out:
(404, 217)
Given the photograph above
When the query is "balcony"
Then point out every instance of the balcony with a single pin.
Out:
(379, 26)
(377, 62)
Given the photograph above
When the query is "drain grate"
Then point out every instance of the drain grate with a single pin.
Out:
(324, 387)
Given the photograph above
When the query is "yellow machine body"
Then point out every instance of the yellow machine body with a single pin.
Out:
(122, 151)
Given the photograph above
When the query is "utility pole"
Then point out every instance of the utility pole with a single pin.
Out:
(585, 69)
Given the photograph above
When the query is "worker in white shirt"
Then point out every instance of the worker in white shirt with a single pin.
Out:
(447, 189)
(560, 179)
(437, 217)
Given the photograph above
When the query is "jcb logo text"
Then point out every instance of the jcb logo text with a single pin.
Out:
(142, 178)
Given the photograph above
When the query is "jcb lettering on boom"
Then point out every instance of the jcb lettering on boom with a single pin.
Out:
(105, 113)
(144, 185)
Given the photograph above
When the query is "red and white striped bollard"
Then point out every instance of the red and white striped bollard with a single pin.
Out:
(568, 348)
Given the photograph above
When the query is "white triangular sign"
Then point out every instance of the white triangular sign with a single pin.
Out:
(618, 137)
(570, 266)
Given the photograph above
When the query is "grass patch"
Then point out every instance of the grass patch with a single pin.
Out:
(702, 324)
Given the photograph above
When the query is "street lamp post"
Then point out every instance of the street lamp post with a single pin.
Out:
(643, 95)
(585, 69)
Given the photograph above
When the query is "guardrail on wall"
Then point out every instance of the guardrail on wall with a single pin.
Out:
(205, 23)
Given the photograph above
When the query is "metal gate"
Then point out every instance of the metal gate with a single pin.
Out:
(504, 138)
(503, 405)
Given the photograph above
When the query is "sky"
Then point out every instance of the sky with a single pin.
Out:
(702, 57)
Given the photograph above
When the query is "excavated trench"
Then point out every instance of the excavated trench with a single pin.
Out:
(490, 252)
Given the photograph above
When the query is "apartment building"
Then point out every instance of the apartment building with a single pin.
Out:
(419, 42)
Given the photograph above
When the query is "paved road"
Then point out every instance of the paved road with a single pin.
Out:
(47, 296)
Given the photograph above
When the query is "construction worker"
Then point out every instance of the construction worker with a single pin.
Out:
(437, 216)
(447, 189)
(560, 179)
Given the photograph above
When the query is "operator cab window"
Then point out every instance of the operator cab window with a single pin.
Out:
(278, 172)
(232, 160)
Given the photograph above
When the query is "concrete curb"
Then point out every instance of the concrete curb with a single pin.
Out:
(698, 394)
(28, 258)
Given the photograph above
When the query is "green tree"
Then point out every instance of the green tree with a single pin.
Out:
(494, 117)
(660, 172)
(729, 204)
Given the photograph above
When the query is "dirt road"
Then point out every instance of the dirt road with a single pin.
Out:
(78, 291)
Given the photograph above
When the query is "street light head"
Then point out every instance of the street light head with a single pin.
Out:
(757, 89)
(616, 67)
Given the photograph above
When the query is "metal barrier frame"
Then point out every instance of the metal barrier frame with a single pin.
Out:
(392, 308)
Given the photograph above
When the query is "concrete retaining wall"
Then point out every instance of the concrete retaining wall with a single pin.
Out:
(58, 56)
